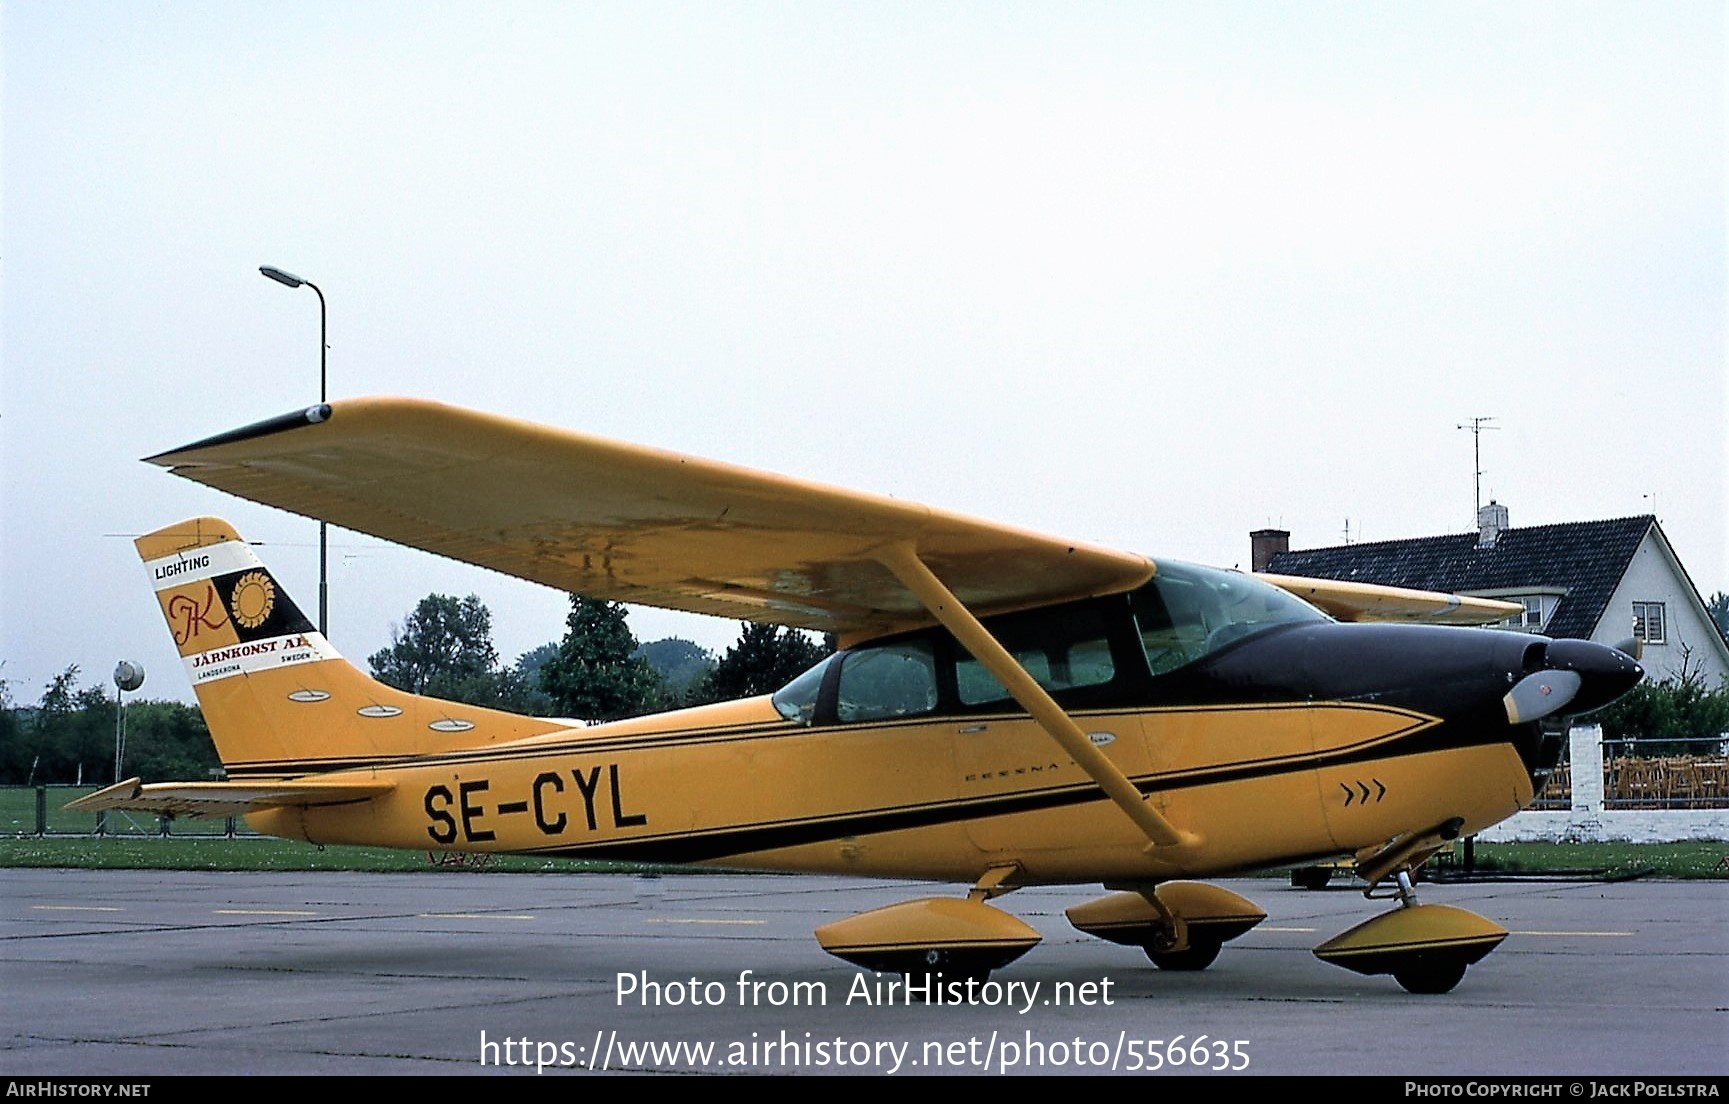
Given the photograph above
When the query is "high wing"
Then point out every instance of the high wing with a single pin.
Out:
(223, 799)
(1347, 601)
(628, 523)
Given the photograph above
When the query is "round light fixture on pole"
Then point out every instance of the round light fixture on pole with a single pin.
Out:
(293, 281)
(127, 676)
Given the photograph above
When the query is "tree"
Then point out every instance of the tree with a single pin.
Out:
(1718, 606)
(444, 649)
(1681, 711)
(524, 679)
(71, 737)
(529, 663)
(680, 662)
(596, 674)
(167, 741)
(765, 658)
(15, 748)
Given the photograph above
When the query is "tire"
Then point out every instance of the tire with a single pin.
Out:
(943, 962)
(1198, 957)
(1311, 877)
(1431, 977)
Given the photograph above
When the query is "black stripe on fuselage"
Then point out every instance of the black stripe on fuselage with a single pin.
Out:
(734, 841)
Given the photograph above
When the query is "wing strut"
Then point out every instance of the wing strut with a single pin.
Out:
(903, 560)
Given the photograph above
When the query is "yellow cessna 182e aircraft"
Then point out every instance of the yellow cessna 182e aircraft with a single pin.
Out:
(1006, 709)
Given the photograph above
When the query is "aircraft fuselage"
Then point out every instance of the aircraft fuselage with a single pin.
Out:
(1296, 740)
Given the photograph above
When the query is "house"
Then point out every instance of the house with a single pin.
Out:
(1592, 580)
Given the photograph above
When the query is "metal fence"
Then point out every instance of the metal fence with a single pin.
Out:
(40, 811)
(1634, 781)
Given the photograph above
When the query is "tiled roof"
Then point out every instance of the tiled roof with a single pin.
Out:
(1586, 558)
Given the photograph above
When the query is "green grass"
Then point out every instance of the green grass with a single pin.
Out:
(18, 816)
(257, 853)
(1609, 860)
(260, 853)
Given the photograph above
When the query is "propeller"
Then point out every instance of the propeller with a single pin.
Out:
(1537, 696)
(1632, 646)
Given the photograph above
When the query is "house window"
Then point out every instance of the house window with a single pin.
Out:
(1648, 622)
(1530, 619)
(1533, 616)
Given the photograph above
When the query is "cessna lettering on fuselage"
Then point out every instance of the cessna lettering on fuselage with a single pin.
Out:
(552, 812)
(1002, 708)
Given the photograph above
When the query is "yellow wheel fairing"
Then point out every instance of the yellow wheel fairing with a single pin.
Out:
(1211, 914)
(965, 935)
(1390, 942)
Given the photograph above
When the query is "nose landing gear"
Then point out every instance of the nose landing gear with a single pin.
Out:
(1425, 947)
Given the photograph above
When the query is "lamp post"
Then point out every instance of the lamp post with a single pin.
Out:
(293, 281)
(127, 676)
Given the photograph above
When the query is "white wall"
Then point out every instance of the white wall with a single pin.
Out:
(1589, 822)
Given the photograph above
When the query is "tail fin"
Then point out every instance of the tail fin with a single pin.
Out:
(278, 699)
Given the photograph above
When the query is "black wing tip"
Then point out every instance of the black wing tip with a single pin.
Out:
(310, 415)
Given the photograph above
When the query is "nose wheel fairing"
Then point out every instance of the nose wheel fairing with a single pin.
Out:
(1425, 947)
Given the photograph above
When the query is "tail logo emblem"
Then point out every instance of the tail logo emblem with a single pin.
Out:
(186, 617)
(253, 599)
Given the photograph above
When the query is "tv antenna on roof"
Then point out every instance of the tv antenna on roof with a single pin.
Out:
(1477, 427)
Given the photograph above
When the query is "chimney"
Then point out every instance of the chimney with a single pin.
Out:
(1264, 544)
(1491, 520)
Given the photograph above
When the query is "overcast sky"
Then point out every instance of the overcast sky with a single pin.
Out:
(1149, 275)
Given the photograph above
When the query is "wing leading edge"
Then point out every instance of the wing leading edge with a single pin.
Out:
(1347, 601)
(629, 523)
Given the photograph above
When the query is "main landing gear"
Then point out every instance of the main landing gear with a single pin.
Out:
(931, 935)
(1180, 925)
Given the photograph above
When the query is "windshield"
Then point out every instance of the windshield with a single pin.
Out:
(796, 701)
(1187, 612)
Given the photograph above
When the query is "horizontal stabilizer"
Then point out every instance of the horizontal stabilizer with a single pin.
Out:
(222, 799)
(1346, 601)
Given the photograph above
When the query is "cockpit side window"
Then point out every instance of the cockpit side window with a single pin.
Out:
(1062, 649)
(892, 680)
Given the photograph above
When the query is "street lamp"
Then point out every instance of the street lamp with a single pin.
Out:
(127, 676)
(293, 281)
